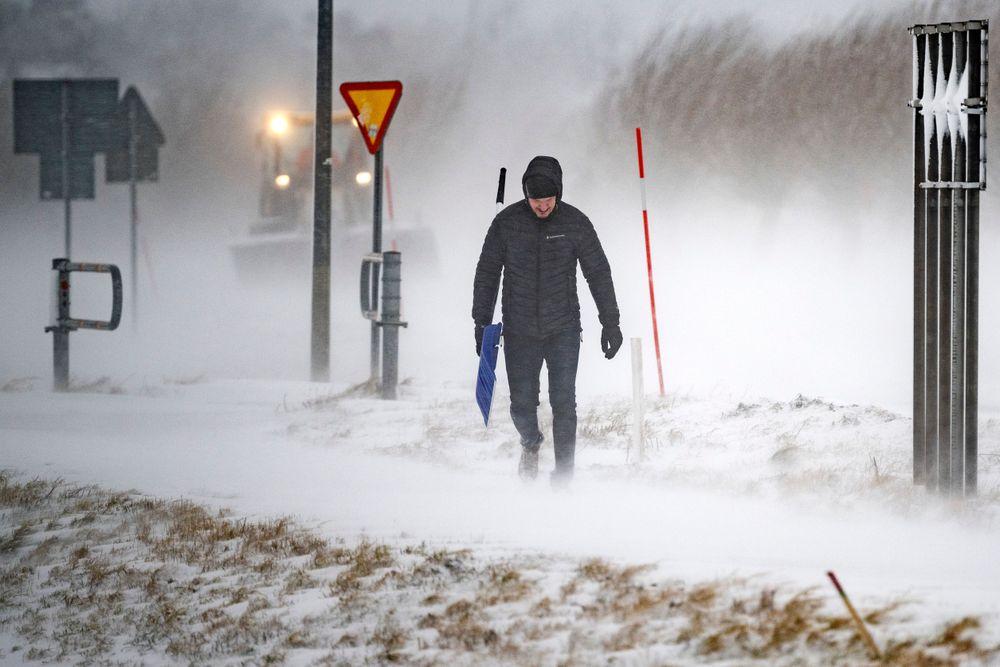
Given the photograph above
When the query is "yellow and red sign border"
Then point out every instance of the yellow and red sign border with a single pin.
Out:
(349, 86)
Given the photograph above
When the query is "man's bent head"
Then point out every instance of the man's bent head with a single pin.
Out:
(542, 207)
(542, 184)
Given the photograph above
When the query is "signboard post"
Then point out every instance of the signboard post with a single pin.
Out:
(66, 147)
(320, 330)
(373, 103)
(135, 158)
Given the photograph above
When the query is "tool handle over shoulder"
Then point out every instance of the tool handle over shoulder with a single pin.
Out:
(500, 188)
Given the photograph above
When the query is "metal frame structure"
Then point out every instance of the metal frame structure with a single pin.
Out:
(62, 324)
(949, 146)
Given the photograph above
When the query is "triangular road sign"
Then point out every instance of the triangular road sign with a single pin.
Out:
(147, 127)
(372, 104)
(148, 138)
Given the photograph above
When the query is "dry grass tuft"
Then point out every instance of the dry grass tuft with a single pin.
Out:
(25, 494)
(185, 380)
(18, 385)
(600, 423)
(627, 637)
(350, 586)
(958, 637)
(595, 569)
(15, 540)
(196, 537)
(102, 385)
(462, 625)
(442, 564)
(954, 645)
(362, 389)
(390, 637)
(299, 580)
(504, 584)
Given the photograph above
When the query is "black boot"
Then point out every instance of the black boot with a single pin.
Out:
(560, 478)
(527, 468)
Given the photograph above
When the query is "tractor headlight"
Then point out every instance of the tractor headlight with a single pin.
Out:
(278, 124)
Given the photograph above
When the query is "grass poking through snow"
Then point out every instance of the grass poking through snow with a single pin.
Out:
(91, 576)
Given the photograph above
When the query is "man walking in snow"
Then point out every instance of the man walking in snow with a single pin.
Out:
(536, 243)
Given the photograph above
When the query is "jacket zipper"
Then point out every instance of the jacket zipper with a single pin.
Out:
(538, 280)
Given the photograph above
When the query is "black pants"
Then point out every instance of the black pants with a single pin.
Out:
(523, 356)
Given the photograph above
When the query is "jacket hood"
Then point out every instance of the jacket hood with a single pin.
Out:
(546, 166)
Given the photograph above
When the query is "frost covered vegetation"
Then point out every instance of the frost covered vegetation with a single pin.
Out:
(815, 450)
(822, 110)
(96, 576)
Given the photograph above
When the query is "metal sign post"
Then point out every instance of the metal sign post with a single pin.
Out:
(133, 205)
(376, 248)
(135, 159)
(63, 324)
(389, 315)
(320, 332)
(66, 143)
(390, 321)
(949, 146)
(373, 103)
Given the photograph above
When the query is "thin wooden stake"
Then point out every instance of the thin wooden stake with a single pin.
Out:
(862, 629)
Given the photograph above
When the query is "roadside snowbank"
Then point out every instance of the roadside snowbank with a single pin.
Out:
(776, 491)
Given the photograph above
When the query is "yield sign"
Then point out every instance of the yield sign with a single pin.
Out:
(372, 104)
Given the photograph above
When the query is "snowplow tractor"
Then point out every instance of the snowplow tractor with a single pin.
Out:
(277, 245)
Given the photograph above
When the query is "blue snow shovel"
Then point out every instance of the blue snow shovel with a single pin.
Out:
(487, 377)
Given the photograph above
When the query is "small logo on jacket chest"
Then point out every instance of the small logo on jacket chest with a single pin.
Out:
(555, 236)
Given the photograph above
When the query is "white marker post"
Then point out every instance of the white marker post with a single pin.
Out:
(638, 437)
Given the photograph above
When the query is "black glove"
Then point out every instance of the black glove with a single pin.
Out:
(479, 339)
(611, 340)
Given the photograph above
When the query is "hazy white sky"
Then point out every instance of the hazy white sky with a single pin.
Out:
(635, 18)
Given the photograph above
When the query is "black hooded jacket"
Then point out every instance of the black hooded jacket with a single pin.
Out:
(538, 259)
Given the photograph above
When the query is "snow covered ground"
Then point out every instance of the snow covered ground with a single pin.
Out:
(763, 494)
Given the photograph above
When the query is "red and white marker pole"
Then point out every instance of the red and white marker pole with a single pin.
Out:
(649, 260)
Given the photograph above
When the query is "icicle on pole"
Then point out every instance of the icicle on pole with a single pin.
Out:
(649, 260)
